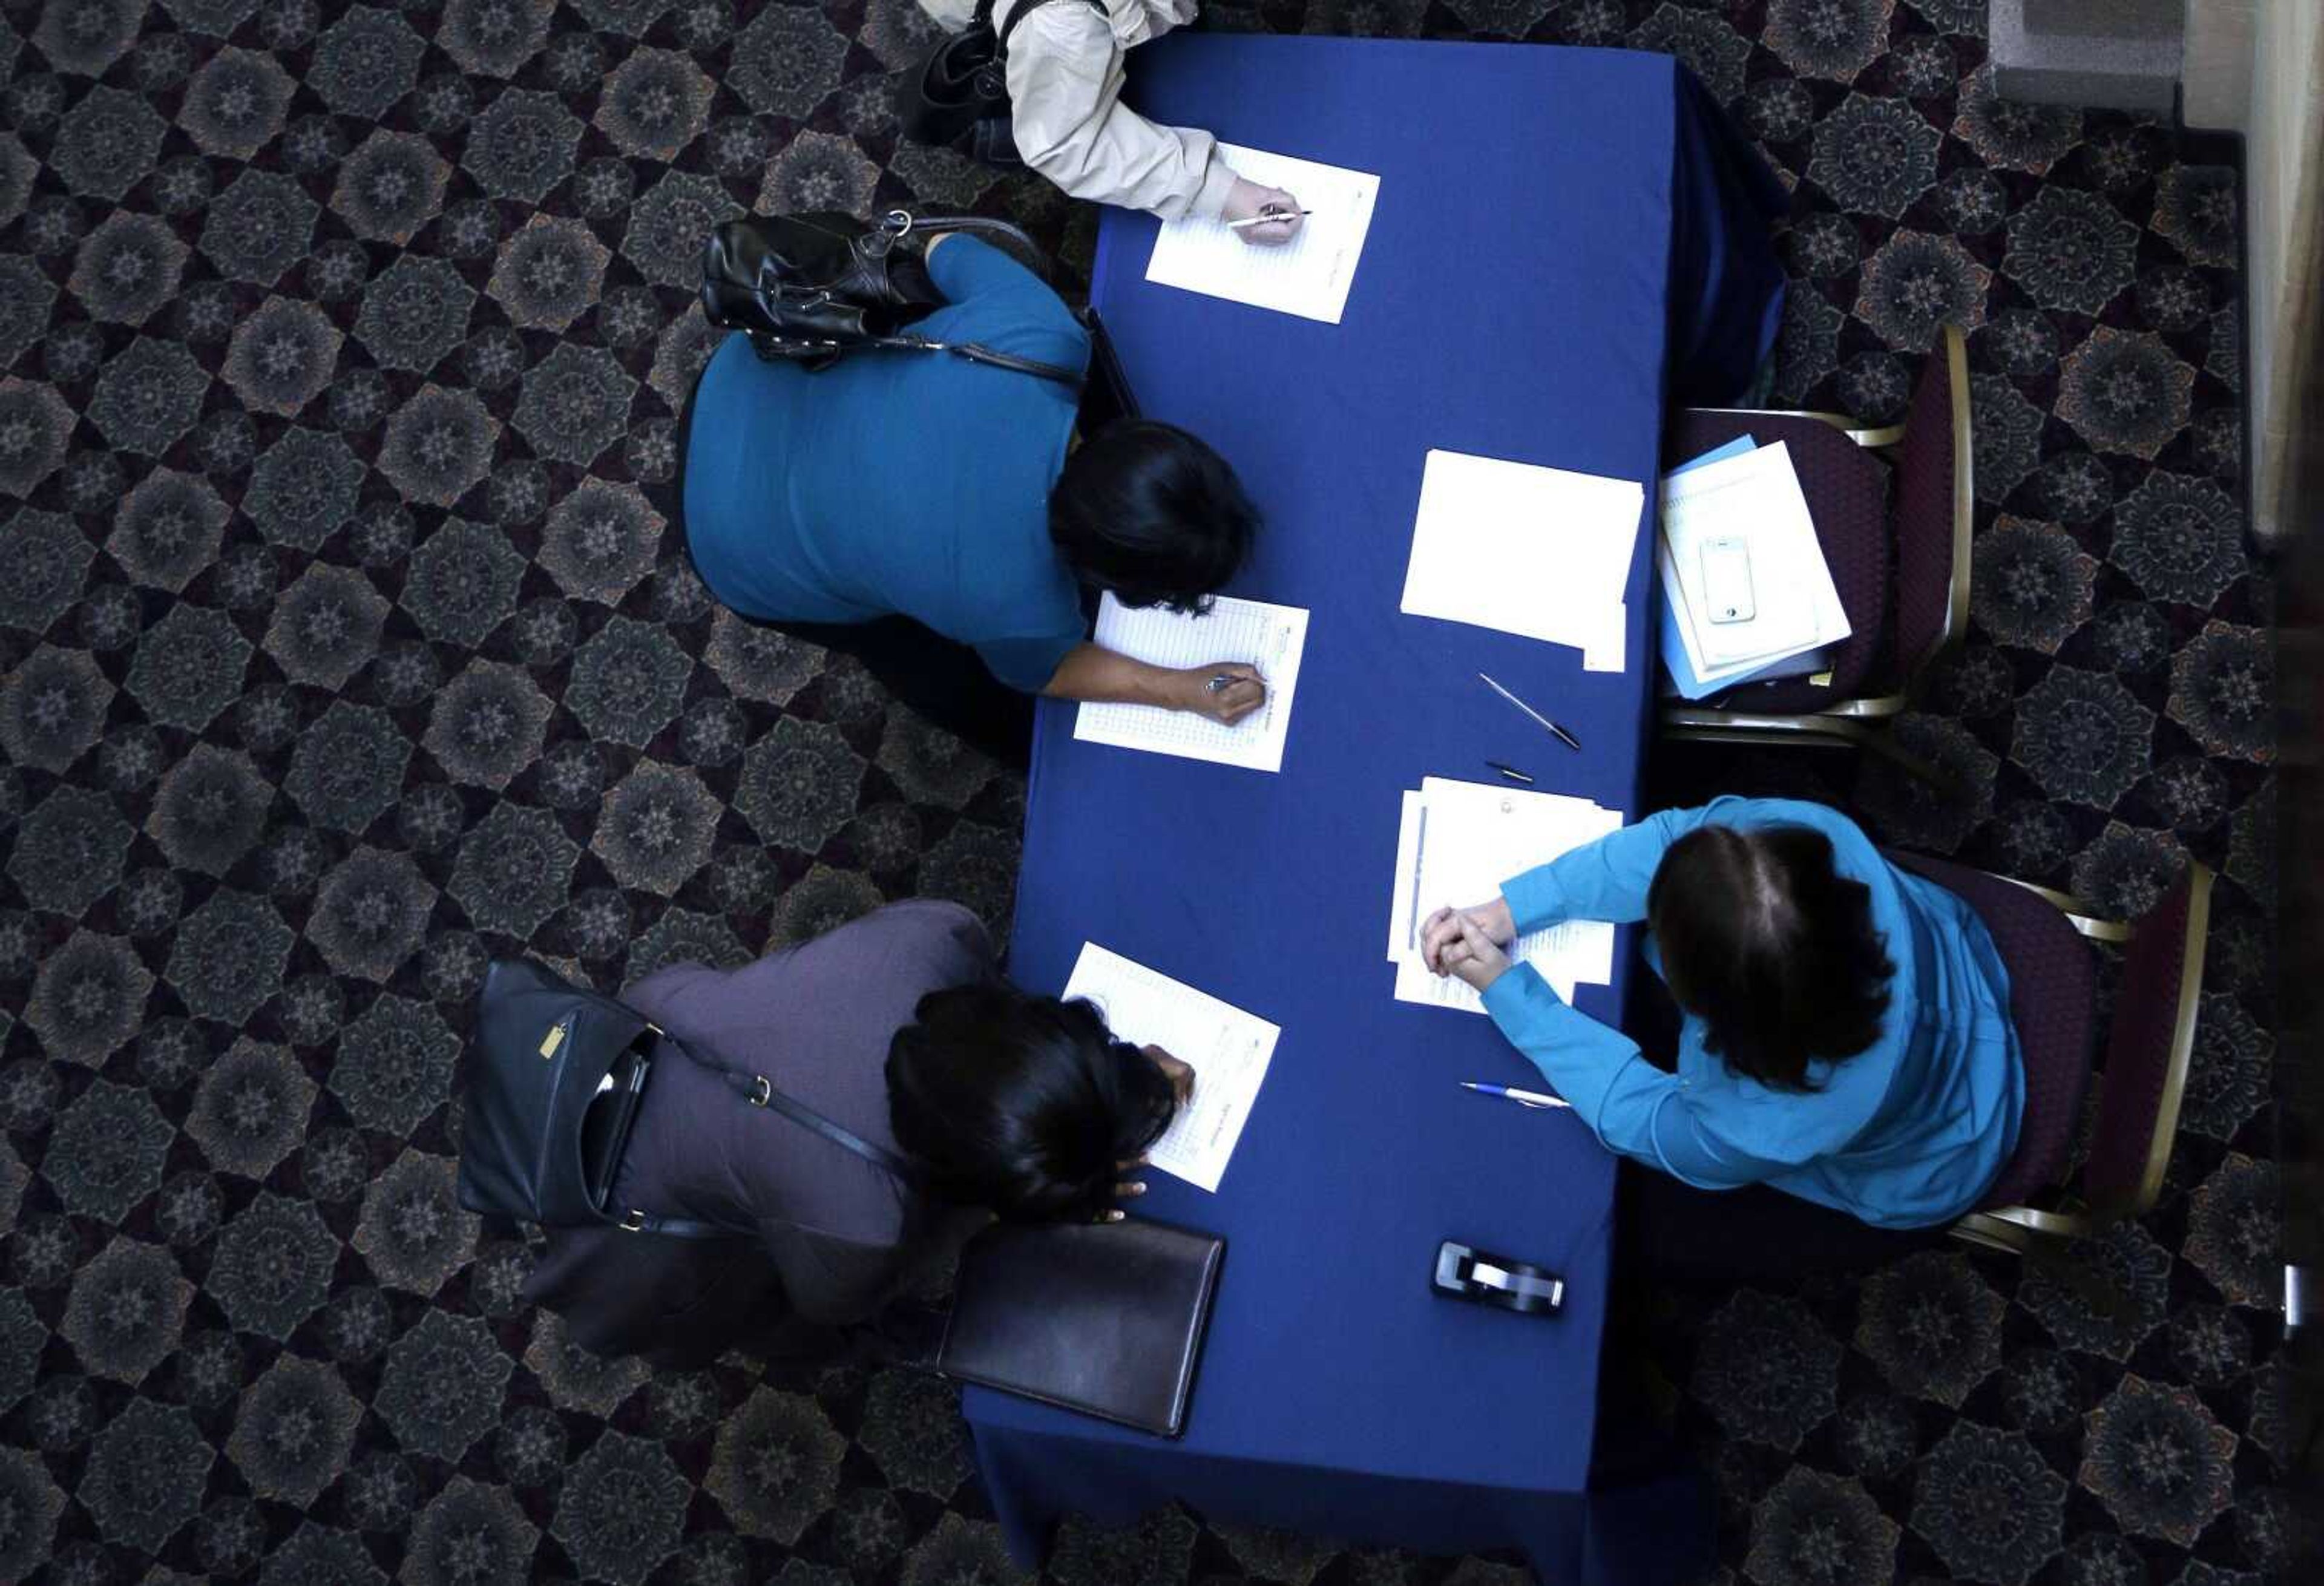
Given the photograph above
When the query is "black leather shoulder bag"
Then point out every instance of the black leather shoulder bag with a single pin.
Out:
(956, 96)
(810, 289)
(554, 1081)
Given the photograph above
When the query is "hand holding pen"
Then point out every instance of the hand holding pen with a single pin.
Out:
(1269, 216)
(1264, 217)
(1224, 691)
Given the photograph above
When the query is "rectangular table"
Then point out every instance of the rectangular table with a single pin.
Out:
(1555, 228)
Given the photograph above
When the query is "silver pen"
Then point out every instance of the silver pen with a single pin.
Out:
(1265, 215)
(1564, 737)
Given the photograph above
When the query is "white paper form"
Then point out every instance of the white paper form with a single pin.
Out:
(1308, 276)
(1545, 552)
(1227, 1049)
(1456, 844)
(1609, 649)
(1755, 496)
(1271, 638)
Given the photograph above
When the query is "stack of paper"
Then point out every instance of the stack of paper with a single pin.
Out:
(1227, 1049)
(1749, 493)
(1271, 638)
(1543, 552)
(1457, 842)
(1310, 274)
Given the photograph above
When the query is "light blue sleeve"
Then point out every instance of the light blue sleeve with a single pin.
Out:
(1631, 1106)
(1608, 878)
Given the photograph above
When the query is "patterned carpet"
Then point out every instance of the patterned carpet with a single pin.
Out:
(343, 648)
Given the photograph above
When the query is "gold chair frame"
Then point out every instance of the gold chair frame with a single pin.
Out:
(2023, 1230)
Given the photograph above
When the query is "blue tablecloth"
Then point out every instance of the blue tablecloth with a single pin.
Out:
(1552, 225)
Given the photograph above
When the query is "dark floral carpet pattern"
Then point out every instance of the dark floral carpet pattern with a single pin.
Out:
(344, 644)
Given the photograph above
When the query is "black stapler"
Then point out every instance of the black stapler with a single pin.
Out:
(1463, 1273)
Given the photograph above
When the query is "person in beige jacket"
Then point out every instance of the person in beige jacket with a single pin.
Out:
(1064, 75)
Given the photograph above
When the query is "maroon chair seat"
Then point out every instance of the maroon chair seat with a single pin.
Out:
(2053, 1002)
(1846, 489)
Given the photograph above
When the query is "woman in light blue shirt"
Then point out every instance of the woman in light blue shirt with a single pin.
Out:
(1847, 1036)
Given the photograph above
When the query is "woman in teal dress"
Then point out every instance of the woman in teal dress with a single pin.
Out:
(1846, 1035)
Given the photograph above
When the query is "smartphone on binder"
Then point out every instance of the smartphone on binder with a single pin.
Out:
(1727, 579)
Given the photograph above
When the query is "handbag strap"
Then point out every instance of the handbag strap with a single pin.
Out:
(636, 1222)
(978, 353)
(1025, 8)
(759, 1090)
(896, 225)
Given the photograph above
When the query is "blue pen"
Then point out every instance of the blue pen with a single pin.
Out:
(1522, 1097)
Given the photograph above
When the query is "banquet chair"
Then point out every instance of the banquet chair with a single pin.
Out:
(2053, 1002)
(1903, 578)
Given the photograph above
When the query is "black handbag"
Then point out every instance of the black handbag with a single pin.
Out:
(811, 288)
(956, 96)
(554, 1081)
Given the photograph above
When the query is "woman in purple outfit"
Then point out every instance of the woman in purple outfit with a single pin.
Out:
(897, 1028)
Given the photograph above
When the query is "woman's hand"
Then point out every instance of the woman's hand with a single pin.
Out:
(1247, 200)
(1444, 927)
(1470, 954)
(1126, 1189)
(1224, 691)
(1181, 1077)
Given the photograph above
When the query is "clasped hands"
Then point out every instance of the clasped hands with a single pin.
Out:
(1469, 942)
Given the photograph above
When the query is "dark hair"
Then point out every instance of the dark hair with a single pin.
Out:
(1148, 511)
(1766, 943)
(1022, 1103)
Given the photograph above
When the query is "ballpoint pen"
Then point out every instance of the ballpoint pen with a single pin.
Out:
(1534, 1099)
(1511, 772)
(1224, 681)
(1264, 216)
(1564, 737)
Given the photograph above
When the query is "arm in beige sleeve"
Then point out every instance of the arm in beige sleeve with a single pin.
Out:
(1065, 94)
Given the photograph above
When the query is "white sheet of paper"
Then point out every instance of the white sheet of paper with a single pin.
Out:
(1402, 923)
(1416, 982)
(1456, 842)
(1308, 276)
(1478, 834)
(1545, 552)
(1609, 650)
(1755, 496)
(1227, 1049)
(1271, 638)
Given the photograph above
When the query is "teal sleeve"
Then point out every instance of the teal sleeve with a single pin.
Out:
(1606, 879)
(1027, 665)
(1631, 1106)
(995, 301)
